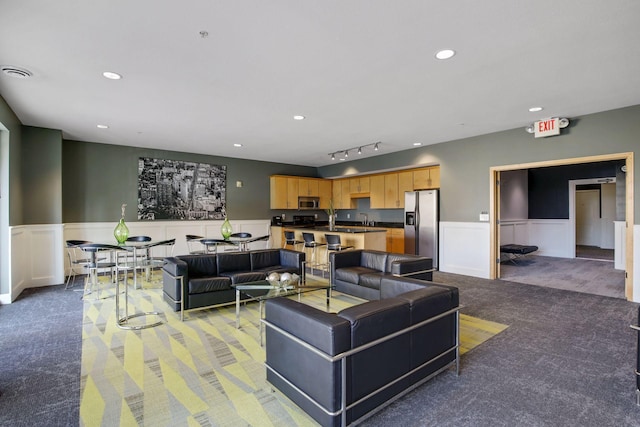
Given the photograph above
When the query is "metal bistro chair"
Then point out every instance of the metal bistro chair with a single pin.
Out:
(310, 242)
(95, 265)
(290, 240)
(192, 239)
(78, 261)
(242, 244)
(156, 260)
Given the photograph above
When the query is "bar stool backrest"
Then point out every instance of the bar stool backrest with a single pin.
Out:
(333, 241)
(309, 240)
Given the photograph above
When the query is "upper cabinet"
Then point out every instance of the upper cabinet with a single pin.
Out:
(324, 191)
(285, 191)
(308, 187)
(385, 191)
(359, 184)
(426, 178)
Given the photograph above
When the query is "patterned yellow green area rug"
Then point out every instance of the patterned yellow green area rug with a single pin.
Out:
(200, 372)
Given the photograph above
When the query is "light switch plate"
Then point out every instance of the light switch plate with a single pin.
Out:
(484, 216)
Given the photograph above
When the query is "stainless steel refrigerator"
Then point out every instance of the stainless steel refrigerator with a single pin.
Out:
(421, 224)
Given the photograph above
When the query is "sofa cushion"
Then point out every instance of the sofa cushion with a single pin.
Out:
(208, 284)
(265, 258)
(245, 276)
(352, 274)
(200, 265)
(277, 269)
(374, 260)
(238, 261)
(370, 280)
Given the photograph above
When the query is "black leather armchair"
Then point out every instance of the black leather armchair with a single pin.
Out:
(383, 347)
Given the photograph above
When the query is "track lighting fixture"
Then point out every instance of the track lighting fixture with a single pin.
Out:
(359, 149)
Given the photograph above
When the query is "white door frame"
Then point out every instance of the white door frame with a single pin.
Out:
(572, 205)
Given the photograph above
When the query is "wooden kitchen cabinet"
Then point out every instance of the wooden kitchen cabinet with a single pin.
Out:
(325, 193)
(345, 203)
(426, 178)
(278, 185)
(359, 185)
(376, 191)
(292, 193)
(308, 187)
(397, 240)
(395, 184)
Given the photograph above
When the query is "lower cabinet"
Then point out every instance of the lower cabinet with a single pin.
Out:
(395, 240)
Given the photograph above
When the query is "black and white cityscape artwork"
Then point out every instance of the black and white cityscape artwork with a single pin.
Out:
(173, 189)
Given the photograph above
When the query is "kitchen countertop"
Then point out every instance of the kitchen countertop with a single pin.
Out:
(348, 224)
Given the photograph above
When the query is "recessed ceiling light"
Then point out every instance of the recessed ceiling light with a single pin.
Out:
(237, 145)
(102, 127)
(342, 159)
(417, 143)
(298, 117)
(111, 75)
(535, 109)
(445, 54)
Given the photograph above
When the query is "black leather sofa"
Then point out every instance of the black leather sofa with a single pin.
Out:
(308, 349)
(360, 272)
(197, 281)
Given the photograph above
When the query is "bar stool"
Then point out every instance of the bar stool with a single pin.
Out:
(290, 239)
(310, 242)
(334, 245)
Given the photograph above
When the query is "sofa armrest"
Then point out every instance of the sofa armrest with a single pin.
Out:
(175, 266)
(290, 258)
(419, 268)
(175, 278)
(345, 259)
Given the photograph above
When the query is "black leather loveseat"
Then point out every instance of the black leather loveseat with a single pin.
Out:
(360, 272)
(196, 281)
(308, 349)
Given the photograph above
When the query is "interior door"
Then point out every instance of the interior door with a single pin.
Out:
(588, 218)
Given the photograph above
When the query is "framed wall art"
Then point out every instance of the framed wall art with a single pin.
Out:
(179, 190)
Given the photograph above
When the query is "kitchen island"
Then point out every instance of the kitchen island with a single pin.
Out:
(358, 237)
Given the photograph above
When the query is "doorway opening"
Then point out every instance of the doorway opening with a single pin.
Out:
(592, 213)
(567, 244)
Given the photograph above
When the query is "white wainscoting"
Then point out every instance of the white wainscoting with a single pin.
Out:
(38, 252)
(514, 232)
(464, 248)
(552, 237)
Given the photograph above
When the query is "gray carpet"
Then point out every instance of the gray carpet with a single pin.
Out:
(40, 349)
(566, 359)
(580, 275)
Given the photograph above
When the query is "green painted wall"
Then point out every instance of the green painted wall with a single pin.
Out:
(464, 164)
(98, 178)
(11, 149)
(42, 175)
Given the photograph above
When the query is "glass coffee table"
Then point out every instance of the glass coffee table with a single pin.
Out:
(262, 290)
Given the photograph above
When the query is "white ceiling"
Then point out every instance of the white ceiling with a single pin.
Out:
(361, 71)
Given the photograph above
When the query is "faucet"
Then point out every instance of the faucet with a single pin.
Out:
(365, 221)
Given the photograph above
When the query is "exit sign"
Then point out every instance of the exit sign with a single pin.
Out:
(547, 127)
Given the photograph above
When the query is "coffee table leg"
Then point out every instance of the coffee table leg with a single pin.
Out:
(237, 309)
(260, 322)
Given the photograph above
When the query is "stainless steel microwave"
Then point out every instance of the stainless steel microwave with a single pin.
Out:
(308, 203)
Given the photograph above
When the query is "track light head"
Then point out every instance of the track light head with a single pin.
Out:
(375, 147)
(359, 150)
(333, 156)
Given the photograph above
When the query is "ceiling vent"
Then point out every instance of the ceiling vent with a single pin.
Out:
(17, 72)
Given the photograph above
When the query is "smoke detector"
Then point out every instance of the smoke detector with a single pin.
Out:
(16, 72)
